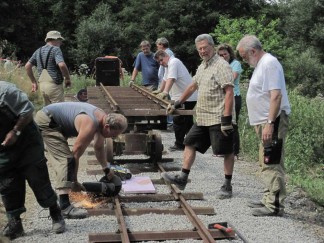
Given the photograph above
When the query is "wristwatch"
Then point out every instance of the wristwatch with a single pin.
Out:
(270, 122)
(17, 133)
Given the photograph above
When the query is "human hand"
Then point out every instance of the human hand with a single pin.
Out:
(10, 138)
(155, 92)
(109, 173)
(77, 187)
(131, 83)
(226, 125)
(67, 83)
(34, 87)
(171, 108)
(162, 96)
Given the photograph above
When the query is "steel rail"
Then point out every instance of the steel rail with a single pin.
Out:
(190, 213)
(121, 221)
(150, 96)
(113, 104)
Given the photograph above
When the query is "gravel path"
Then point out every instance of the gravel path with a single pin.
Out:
(206, 177)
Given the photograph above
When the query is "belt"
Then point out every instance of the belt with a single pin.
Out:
(47, 112)
(53, 123)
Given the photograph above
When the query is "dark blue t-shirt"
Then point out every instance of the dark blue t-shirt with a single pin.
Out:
(149, 68)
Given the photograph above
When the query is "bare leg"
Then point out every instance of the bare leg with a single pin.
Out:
(189, 156)
(228, 164)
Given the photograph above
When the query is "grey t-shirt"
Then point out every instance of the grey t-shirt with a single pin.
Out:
(64, 115)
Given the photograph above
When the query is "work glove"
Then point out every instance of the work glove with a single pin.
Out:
(155, 92)
(172, 107)
(131, 83)
(226, 125)
(162, 96)
(77, 187)
(109, 173)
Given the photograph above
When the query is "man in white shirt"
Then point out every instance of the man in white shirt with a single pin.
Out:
(175, 81)
(268, 110)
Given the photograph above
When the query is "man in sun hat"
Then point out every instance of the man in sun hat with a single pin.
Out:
(51, 69)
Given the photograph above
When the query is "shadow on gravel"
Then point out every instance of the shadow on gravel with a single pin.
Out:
(301, 208)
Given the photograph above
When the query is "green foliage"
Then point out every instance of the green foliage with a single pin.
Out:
(313, 186)
(305, 141)
(249, 141)
(80, 82)
(305, 72)
(231, 31)
(304, 24)
(96, 34)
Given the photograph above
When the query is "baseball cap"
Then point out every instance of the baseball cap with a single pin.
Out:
(53, 34)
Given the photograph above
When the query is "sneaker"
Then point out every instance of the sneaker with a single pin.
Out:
(264, 211)
(13, 229)
(174, 179)
(175, 148)
(255, 204)
(74, 213)
(225, 192)
(58, 223)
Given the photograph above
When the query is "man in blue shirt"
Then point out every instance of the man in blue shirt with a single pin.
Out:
(146, 64)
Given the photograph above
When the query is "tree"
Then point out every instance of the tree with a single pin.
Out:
(97, 36)
(232, 30)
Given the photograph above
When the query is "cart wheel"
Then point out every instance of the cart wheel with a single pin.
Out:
(158, 146)
(128, 176)
(110, 149)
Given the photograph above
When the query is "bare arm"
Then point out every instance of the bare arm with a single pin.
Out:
(134, 74)
(100, 150)
(30, 74)
(229, 99)
(66, 74)
(22, 121)
(162, 85)
(86, 131)
(275, 101)
(235, 75)
(167, 85)
(188, 92)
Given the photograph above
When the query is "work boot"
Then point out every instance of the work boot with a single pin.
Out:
(174, 179)
(13, 229)
(176, 148)
(58, 223)
(264, 211)
(255, 204)
(74, 213)
(225, 192)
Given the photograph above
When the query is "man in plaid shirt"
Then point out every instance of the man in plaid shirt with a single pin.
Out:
(214, 115)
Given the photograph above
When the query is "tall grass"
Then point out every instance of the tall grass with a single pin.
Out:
(304, 148)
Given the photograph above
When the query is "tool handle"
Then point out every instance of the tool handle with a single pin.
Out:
(222, 228)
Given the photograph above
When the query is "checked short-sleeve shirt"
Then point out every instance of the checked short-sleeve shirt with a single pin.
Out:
(212, 77)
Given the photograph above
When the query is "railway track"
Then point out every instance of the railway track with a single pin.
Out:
(199, 230)
(146, 115)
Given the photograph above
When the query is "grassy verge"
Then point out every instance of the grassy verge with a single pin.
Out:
(304, 156)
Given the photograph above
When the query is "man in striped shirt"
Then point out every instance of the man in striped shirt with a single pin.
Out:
(51, 69)
(214, 115)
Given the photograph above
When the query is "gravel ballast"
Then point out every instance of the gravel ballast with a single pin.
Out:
(207, 175)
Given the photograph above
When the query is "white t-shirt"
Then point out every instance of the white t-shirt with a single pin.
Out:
(267, 75)
(178, 71)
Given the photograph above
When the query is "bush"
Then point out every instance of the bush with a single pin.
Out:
(305, 73)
